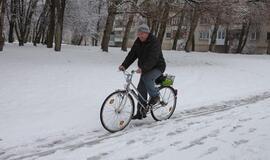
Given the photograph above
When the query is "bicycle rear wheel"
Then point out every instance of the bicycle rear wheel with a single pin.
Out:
(116, 111)
(165, 109)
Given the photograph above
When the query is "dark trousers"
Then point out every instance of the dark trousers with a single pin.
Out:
(147, 85)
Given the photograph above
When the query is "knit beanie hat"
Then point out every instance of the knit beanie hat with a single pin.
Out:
(143, 28)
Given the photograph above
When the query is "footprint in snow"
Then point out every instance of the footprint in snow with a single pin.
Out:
(214, 133)
(235, 128)
(245, 119)
(176, 143)
(148, 155)
(251, 130)
(131, 142)
(97, 157)
(240, 142)
(194, 143)
(210, 151)
(178, 131)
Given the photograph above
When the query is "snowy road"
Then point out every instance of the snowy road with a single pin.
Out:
(238, 126)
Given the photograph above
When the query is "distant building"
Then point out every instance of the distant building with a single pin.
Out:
(257, 41)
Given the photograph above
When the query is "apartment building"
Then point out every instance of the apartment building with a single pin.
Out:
(257, 42)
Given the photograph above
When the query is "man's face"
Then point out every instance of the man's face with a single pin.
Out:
(142, 36)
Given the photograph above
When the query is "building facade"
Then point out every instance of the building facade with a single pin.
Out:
(257, 41)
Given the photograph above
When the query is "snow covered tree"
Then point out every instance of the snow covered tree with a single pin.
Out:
(90, 22)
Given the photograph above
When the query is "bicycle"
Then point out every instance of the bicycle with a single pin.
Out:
(118, 108)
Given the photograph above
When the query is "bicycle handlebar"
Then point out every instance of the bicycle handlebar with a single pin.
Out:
(127, 73)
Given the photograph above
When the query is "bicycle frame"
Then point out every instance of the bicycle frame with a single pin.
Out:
(130, 88)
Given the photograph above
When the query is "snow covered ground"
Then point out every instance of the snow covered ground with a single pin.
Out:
(49, 107)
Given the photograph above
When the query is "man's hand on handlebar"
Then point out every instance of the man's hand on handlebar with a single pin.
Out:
(139, 70)
(121, 68)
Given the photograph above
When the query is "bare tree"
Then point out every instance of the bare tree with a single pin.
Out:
(164, 19)
(127, 29)
(195, 15)
(216, 19)
(243, 36)
(60, 9)
(11, 18)
(99, 24)
(51, 27)
(112, 9)
(23, 20)
(2, 14)
(42, 24)
(250, 14)
(179, 27)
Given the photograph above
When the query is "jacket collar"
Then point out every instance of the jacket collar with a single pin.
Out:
(149, 39)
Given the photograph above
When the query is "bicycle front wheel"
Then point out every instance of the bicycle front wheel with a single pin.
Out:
(165, 109)
(116, 111)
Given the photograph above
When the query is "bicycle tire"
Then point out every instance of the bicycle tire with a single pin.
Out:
(171, 107)
(126, 122)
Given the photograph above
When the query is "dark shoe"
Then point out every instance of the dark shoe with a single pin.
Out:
(141, 112)
(139, 116)
(154, 100)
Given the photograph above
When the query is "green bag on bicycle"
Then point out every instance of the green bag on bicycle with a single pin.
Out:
(165, 80)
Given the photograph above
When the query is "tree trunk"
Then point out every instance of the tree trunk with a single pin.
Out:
(268, 47)
(11, 32)
(156, 22)
(227, 39)
(2, 39)
(41, 24)
(193, 43)
(76, 38)
(60, 9)
(51, 27)
(96, 37)
(243, 37)
(12, 21)
(127, 31)
(23, 19)
(44, 37)
(163, 24)
(193, 26)
(214, 35)
(155, 26)
(108, 29)
(30, 11)
(177, 34)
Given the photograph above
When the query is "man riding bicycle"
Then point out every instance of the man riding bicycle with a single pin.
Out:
(151, 65)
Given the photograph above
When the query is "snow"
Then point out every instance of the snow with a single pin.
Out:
(50, 102)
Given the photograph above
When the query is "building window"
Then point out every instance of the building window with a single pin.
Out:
(221, 35)
(268, 35)
(204, 35)
(253, 36)
(168, 35)
(175, 21)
